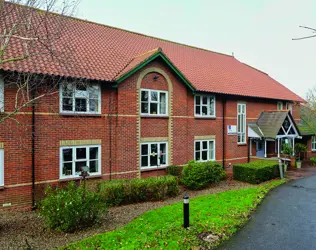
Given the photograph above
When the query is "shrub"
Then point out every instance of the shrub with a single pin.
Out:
(313, 159)
(300, 148)
(197, 175)
(120, 192)
(174, 170)
(70, 208)
(256, 172)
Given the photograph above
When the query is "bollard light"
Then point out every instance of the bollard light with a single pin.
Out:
(186, 212)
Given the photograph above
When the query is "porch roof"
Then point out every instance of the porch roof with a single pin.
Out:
(304, 128)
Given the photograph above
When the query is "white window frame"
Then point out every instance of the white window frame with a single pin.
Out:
(1, 167)
(150, 101)
(241, 130)
(74, 100)
(61, 176)
(279, 105)
(313, 143)
(208, 150)
(1, 94)
(207, 106)
(289, 106)
(149, 154)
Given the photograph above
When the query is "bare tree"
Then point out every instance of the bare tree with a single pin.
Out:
(32, 30)
(308, 111)
(306, 37)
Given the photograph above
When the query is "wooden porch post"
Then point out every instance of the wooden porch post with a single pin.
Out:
(250, 147)
(293, 146)
(278, 147)
(265, 149)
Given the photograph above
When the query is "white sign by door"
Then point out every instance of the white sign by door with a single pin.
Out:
(231, 129)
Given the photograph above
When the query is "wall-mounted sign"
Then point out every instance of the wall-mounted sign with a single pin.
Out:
(231, 129)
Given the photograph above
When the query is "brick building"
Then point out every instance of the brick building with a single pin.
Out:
(145, 103)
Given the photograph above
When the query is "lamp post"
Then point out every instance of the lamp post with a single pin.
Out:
(186, 212)
(84, 173)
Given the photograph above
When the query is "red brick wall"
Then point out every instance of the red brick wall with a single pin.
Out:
(117, 127)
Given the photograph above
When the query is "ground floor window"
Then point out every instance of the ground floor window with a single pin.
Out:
(314, 143)
(153, 154)
(73, 158)
(1, 167)
(204, 150)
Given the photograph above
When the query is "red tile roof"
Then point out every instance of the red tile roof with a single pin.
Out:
(100, 52)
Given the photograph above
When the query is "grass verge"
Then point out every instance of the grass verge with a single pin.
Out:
(214, 218)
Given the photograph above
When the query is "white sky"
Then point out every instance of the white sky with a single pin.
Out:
(259, 32)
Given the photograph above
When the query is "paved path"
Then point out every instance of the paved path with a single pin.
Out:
(286, 219)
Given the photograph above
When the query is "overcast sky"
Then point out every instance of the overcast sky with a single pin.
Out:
(259, 33)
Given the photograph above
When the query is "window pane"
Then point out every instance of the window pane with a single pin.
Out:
(144, 161)
(81, 153)
(163, 159)
(197, 100)
(154, 96)
(153, 160)
(67, 90)
(94, 91)
(67, 169)
(144, 149)
(162, 103)
(204, 110)
(153, 108)
(163, 148)
(204, 99)
(67, 104)
(79, 165)
(197, 156)
(204, 155)
(154, 148)
(67, 154)
(93, 153)
(198, 109)
(93, 105)
(144, 96)
(197, 146)
(144, 107)
(204, 144)
(212, 107)
(94, 168)
(81, 105)
(81, 91)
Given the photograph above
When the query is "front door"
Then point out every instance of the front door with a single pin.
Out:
(260, 148)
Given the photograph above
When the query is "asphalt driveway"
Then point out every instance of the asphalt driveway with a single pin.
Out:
(286, 219)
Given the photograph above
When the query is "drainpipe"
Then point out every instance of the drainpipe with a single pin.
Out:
(223, 129)
(33, 151)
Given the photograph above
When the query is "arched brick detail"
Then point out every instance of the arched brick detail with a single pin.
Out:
(170, 112)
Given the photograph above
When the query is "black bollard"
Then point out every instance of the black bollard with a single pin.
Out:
(186, 211)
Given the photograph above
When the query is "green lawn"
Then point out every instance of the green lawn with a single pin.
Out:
(220, 214)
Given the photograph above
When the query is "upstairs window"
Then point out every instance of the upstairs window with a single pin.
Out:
(204, 106)
(241, 123)
(289, 106)
(314, 143)
(280, 105)
(74, 158)
(80, 98)
(154, 102)
(1, 94)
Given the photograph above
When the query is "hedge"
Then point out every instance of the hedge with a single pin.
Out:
(256, 172)
(119, 192)
(197, 175)
(174, 170)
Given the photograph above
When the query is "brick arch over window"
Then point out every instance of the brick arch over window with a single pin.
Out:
(142, 75)
(148, 82)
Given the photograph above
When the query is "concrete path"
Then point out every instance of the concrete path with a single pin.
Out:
(286, 219)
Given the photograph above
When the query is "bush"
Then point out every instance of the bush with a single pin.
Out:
(120, 192)
(313, 159)
(174, 170)
(70, 208)
(256, 172)
(197, 175)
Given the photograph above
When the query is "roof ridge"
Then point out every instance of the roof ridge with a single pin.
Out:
(254, 68)
(129, 31)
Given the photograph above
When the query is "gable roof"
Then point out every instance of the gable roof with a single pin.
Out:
(100, 52)
(270, 122)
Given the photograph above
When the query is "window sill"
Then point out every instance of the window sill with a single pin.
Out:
(155, 116)
(80, 114)
(2, 188)
(152, 168)
(241, 144)
(205, 117)
(79, 178)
